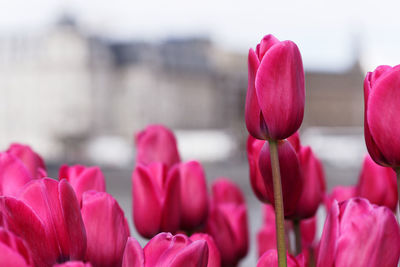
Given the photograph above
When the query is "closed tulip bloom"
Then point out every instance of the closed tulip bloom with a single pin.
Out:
(156, 143)
(270, 258)
(32, 160)
(275, 95)
(156, 199)
(291, 176)
(357, 233)
(50, 210)
(194, 196)
(13, 250)
(381, 116)
(83, 178)
(13, 175)
(254, 147)
(340, 193)
(107, 229)
(214, 256)
(166, 250)
(73, 264)
(377, 184)
(227, 221)
(313, 184)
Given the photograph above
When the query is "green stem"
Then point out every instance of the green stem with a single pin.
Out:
(278, 199)
(297, 234)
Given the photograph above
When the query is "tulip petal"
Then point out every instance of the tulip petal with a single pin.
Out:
(214, 256)
(32, 161)
(133, 254)
(156, 248)
(194, 255)
(13, 250)
(280, 89)
(226, 192)
(266, 43)
(73, 264)
(13, 175)
(170, 220)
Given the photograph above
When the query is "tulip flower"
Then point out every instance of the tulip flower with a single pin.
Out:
(73, 264)
(270, 258)
(156, 199)
(13, 175)
(13, 250)
(214, 256)
(83, 179)
(107, 229)
(313, 189)
(32, 160)
(47, 216)
(166, 250)
(194, 196)
(275, 95)
(377, 184)
(339, 193)
(291, 176)
(357, 233)
(254, 147)
(156, 143)
(227, 221)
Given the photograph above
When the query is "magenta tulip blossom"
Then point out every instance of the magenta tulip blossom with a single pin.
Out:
(275, 95)
(254, 147)
(214, 256)
(156, 143)
(14, 251)
(357, 233)
(270, 258)
(32, 160)
(291, 175)
(107, 229)
(47, 216)
(227, 221)
(381, 116)
(13, 175)
(339, 193)
(156, 199)
(166, 250)
(377, 184)
(194, 196)
(83, 178)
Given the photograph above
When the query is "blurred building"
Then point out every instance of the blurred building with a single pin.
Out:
(61, 89)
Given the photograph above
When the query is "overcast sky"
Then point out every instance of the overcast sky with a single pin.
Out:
(327, 32)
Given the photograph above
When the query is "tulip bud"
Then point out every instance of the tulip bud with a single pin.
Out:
(50, 210)
(32, 160)
(270, 258)
(291, 177)
(275, 95)
(107, 229)
(13, 175)
(339, 193)
(83, 179)
(254, 147)
(194, 197)
(357, 233)
(214, 256)
(13, 250)
(156, 199)
(166, 250)
(73, 264)
(313, 184)
(156, 143)
(381, 115)
(377, 184)
(227, 221)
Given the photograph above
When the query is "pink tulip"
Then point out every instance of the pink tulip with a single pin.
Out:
(291, 176)
(166, 250)
(227, 221)
(381, 116)
(156, 143)
(275, 95)
(254, 147)
(270, 258)
(83, 178)
(377, 184)
(156, 199)
(13, 175)
(194, 196)
(313, 184)
(214, 256)
(73, 264)
(13, 250)
(47, 216)
(32, 160)
(107, 229)
(357, 233)
(339, 193)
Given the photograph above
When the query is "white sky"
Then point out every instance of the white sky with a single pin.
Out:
(327, 32)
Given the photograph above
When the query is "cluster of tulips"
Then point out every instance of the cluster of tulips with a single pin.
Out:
(73, 222)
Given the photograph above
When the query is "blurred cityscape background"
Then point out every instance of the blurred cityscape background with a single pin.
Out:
(77, 80)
